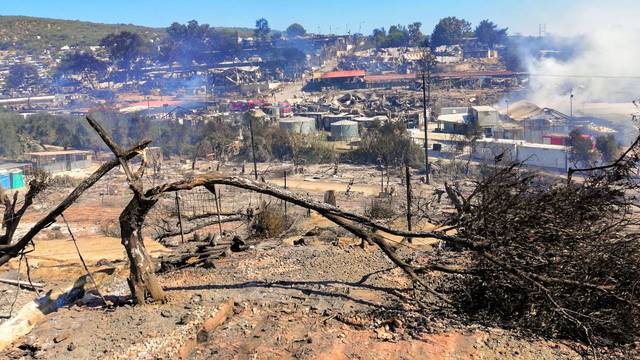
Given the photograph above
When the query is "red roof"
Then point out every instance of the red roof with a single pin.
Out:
(389, 77)
(452, 74)
(343, 74)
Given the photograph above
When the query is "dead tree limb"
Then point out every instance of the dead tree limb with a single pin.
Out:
(387, 250)
(84, 264)
(12, 217)
(142, 279)
(322, 208)
(212, 214)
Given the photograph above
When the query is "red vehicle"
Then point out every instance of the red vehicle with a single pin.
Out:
(285, 107)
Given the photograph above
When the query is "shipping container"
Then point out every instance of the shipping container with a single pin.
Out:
(5, 180)
(17, 179)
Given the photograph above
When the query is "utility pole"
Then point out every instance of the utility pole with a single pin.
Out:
(253, 146)
(571, 106)
(426, 98)
(407, 171)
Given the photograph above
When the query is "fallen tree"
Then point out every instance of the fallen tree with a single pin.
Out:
(560, 258)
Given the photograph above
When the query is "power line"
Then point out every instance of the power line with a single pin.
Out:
(635, 77)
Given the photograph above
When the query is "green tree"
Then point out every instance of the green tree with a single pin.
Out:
(84, 64)
(450, 31)
(379, 36)
(296, 29)
(262, 31)
(187, 42)
(9, 144)
(124, 48)
(387, 144)
(416, 37)
(488, 33)
(512, 58)
(582, 153)
(396, 37)
(608, 147)
(22, 76)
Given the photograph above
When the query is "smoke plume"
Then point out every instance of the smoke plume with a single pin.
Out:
(603, 40)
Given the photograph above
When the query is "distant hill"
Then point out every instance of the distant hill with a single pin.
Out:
(31, 33)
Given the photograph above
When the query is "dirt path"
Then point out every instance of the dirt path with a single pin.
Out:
(319, 186)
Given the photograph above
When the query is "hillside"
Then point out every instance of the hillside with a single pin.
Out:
(31, 33)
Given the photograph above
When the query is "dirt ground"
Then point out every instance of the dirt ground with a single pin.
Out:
(289, 302)
(328, 298)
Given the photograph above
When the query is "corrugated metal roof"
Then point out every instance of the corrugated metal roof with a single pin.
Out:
(344, 123)
(343, 74)
(483, 108)
(389, 77)
(294, 119)
(453, 118)
(59, 152)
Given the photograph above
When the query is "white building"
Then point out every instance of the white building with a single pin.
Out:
(553, 157)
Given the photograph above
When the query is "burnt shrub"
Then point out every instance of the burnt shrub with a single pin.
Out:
(559, 258)
(270, 221)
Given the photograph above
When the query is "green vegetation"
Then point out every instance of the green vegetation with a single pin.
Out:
(20, 135)
(195, 141)
(582, 149)
(22, 76)
(488, 33)
(36, 34)
(30, 33)
(398, 36)
(84, 64)
(273, 143)
(262, 31)
(387, 144)
(125, 48)
(296, 29)
(450, 31)
(186, 43)
(608, 147)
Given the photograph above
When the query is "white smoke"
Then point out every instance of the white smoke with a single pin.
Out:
(607, 69)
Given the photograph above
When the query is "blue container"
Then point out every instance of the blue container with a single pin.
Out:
(17, 179)
(5, 180)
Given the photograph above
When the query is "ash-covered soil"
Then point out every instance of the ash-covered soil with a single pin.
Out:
(320, 301)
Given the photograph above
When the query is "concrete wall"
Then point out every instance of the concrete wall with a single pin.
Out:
(60, 166)
(454, 110)
(487, 151)
(537, 156)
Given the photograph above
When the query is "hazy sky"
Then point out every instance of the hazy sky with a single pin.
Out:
(521, 16)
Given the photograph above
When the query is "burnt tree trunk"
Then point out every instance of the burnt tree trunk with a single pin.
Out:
(142, 279)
